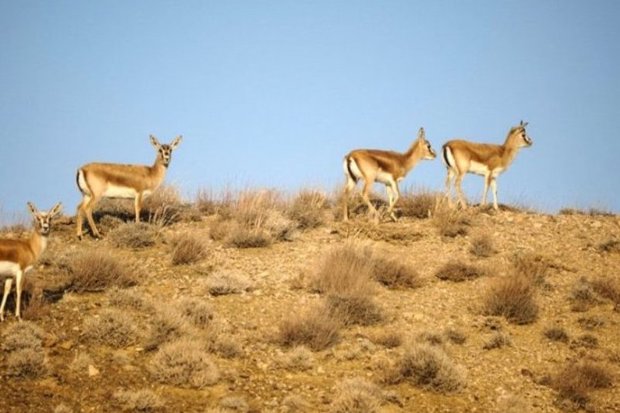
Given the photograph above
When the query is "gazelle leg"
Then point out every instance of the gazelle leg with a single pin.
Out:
(80, 217)
(88, 210)
(19, 285)
(7, 289)
(349, 186)
(371, 209)
(392, 188)
(459, 191)
(487, 181)
(494, 189)
(138, 206)
(449, 179)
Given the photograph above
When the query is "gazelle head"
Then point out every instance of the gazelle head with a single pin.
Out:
(427, 151)
(523, 139)
(164, 152)
(43, 220)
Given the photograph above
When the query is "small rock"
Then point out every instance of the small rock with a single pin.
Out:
(92, 371)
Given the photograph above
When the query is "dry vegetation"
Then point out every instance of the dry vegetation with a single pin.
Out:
(258, 301)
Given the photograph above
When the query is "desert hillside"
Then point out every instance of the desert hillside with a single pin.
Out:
(257, 302)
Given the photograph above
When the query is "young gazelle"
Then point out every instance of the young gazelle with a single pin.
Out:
(110, 180)
(387, 167)
(17, 256)
(483, 159)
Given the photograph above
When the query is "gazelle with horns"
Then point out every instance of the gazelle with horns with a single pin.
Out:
(483, 159)
(18, 256)
(110, 180)
(386, 167)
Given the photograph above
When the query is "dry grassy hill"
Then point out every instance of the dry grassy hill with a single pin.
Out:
(256, 303)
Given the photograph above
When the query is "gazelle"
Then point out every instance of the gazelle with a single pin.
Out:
(386, 167)
(483, 159)
(110, 180)
(17, 256)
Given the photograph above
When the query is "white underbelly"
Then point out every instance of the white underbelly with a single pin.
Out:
(114, 191)
(9, 268)
(384, 177)
(478, 168)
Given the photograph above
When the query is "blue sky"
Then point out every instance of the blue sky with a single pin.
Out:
(274, 93)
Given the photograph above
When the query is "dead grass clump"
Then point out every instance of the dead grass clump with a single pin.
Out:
(575, 381)
(298, 359)
(228, 282)
(456, 271)
(556, 334)
(591, 323)
(388, 339)
(610, 246)
(135, 235)
(393, 273)
(584, 341)
(129, 298)
(512, 297)
(163, 207)
(608, 288)
(233, 404)
(533, 266)
(19, 336)
(226, 347)
(98, 270)
(353, 309)
(314, 329)
(62, 408)
(308, 209)
(357, 396)
(344, 269)
(418, 205)
(198, 312)
(144, 400)
(114, 328)
(427, 366)
(184, 363)
(26, 362)
(497, 340)
(451, 222)
(188, 249)
(455, 336)
(430, 338)
(243, 237)
(167, 325)
(583, 296)
(482, 246)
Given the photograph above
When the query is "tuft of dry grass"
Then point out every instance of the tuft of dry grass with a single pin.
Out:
(232, 404)
(314, 329)
(22, 344)
(533, 266)
(196, 311)
(184, 363)
(188, 249)
(388, 339)
(353, 309)
(135, 235)
(163, 207)
(420, 205)
(392, 273)
(456, 271)
(609, 288)
(451, 222)
(143, 400)
(26, 362)
(167, 325)
(357, 395)
(114, 328)
(18, 336)
(308, 209)
(512, 297)
(556, 334)
(98, 270)
(455, 336)
(576, 380)
(582, 296)
(298, 359)
(497, 340)
(610, 246)
(427, 366)
(482, 246)
(244, 237)
(129, 298)
(227, 282)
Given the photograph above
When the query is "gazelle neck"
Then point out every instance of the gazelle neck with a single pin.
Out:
(413, 155)
(38, 243)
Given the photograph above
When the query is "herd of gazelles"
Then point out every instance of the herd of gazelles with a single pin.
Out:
(110, 180)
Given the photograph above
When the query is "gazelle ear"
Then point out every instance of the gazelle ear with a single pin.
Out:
(421, 134)
(176, 142)
(56, 210)
(154, 141)
(33, 209)
(524, 124)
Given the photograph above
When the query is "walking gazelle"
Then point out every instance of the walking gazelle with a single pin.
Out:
(483, 159)
(110, 180)
(18, 256)
(386, 167)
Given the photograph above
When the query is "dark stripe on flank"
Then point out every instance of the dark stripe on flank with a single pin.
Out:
(445, 155)
(351, 174)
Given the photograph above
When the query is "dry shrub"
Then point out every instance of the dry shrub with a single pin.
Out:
(299, 358)
(451, 222)
(610, 246)
(427, 366)
(314, 329)
(393, 273)
(595, 212)
(418, 205)
(26, 362)
(512, 297)
(167, 325)
(135, 235)
(353, 309)
(430, 338)
(220, 229)
(295, 404)
(35, 307)
(357, 396)
(188, 249)
(184, 363)
(576, 380)
(98, 270)
(583, 296)
(19, 336)
(556, 334)
(129, 298)
(80, 363)
(233, 404)
(144, 400)
(482, 246)
(206, 202)
(114, 328)
(533, 266)
(227, 282)
(196, 311)
(388, 339)
(308, 209)
(226, 347)
(608, 288)
(497, 340)
(244, 237)
(584, 341)
(455, 336)
(163, 207)
(344, 269)
(63, 408)
(456, 271)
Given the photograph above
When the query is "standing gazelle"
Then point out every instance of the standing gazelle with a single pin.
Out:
(483, 159)
(17, 256)
(110, 180)
(387, 167)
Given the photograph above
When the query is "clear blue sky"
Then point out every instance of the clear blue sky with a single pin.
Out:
(274, 93)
